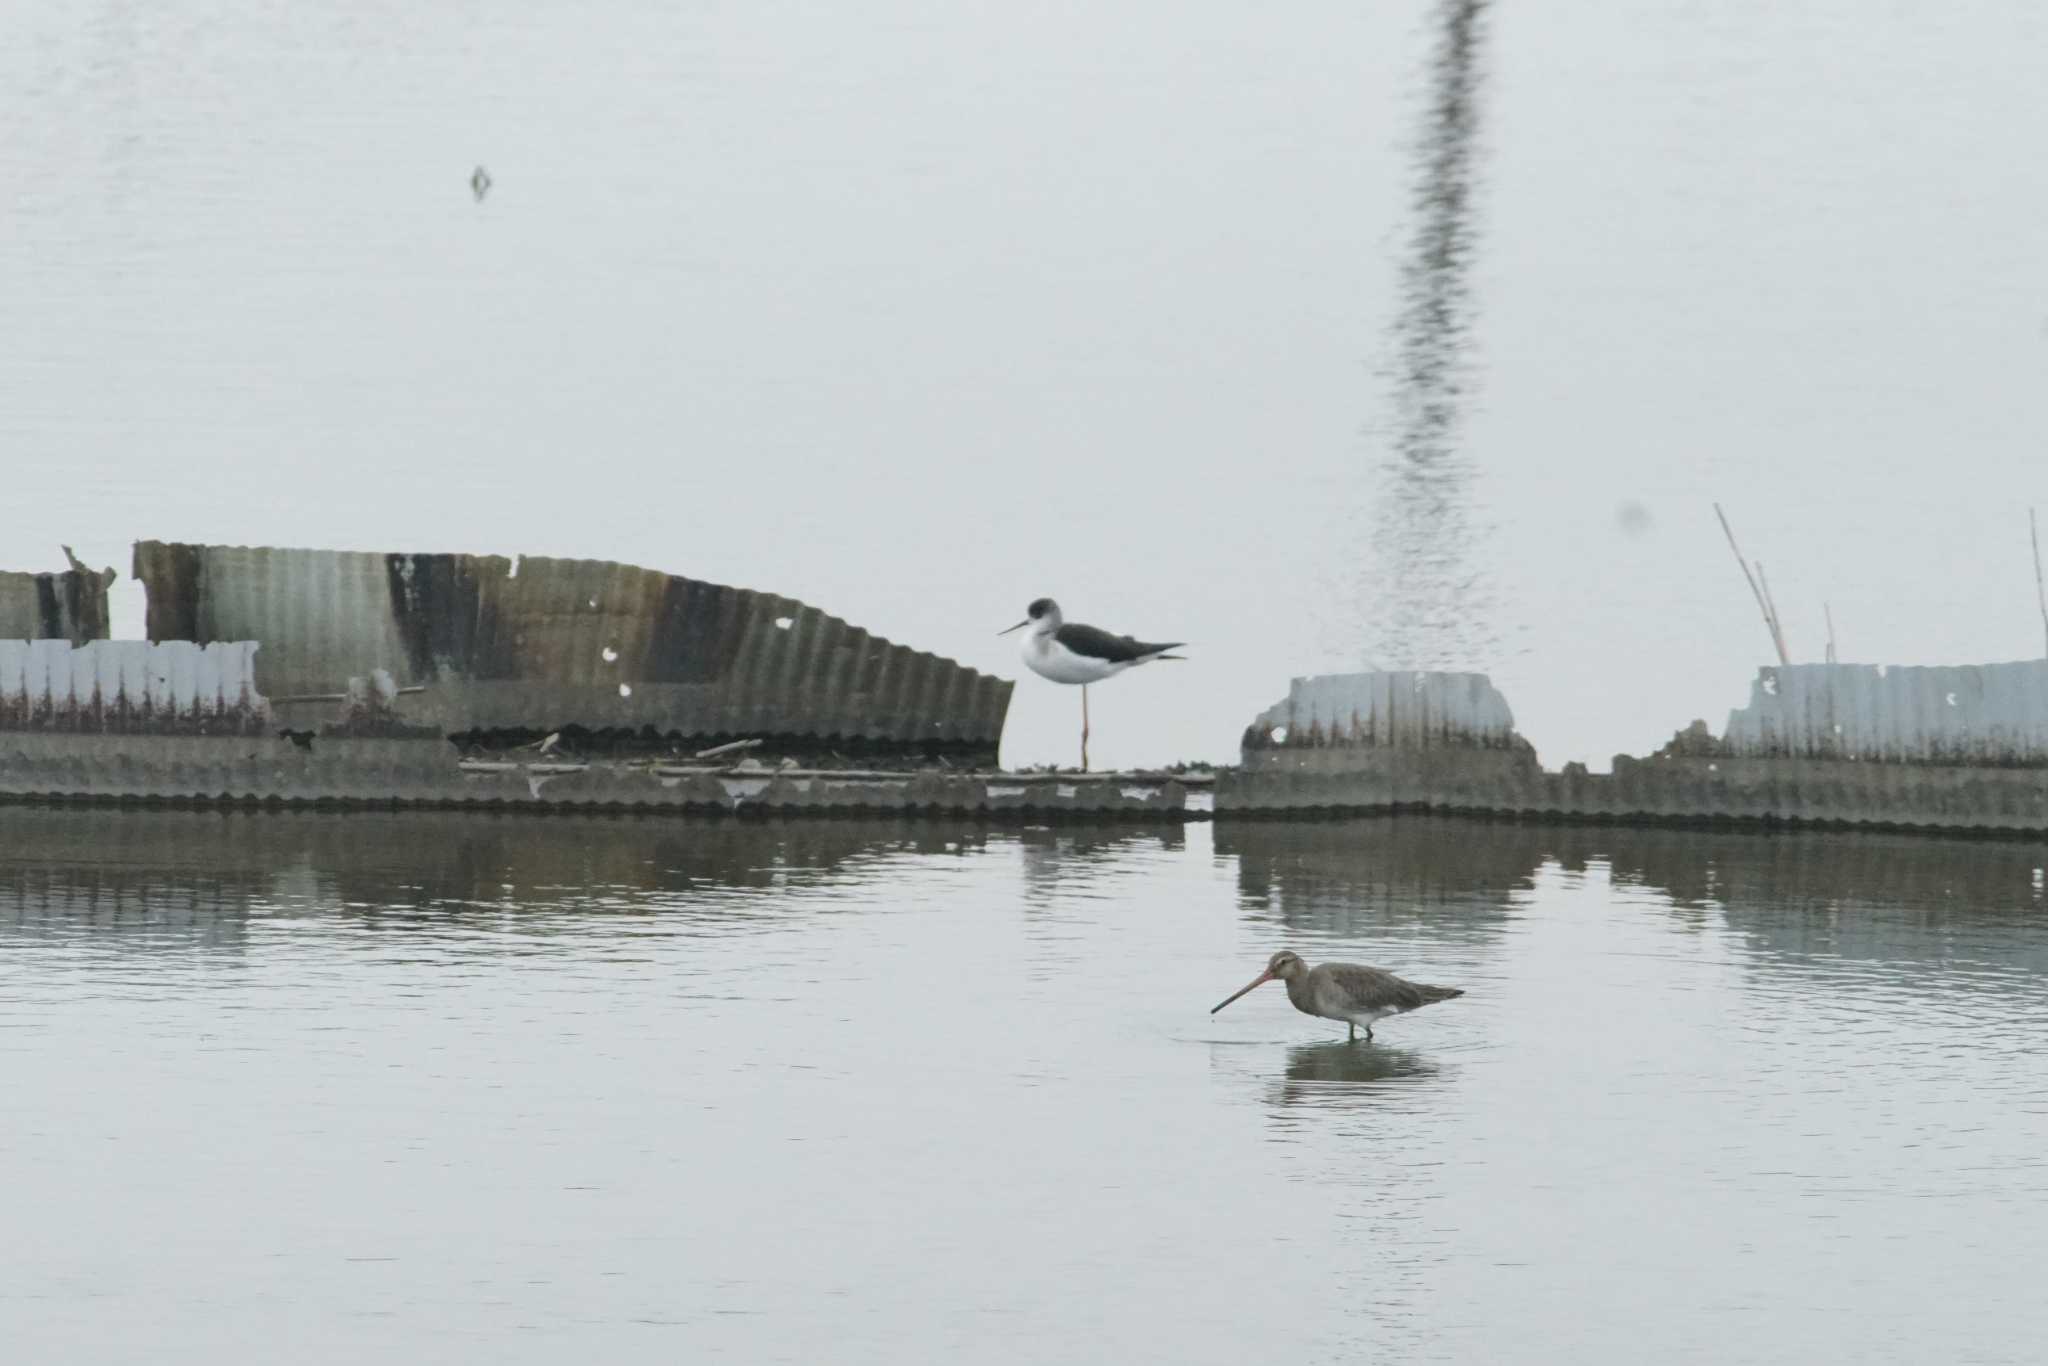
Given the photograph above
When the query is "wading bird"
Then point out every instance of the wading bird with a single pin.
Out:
(1351, 992)
(1068, 652)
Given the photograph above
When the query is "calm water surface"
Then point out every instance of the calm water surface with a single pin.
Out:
(450, 1087)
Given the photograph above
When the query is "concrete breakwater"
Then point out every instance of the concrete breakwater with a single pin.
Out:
(1949, 749)
(186, 721)
(301, 676)
(1954, 748)
(350, 771)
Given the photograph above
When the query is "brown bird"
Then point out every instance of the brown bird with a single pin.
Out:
(1351, 992)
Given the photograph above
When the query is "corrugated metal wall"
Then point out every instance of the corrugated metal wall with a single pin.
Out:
(131, 687)
(1398, 710)
(68, 606)
(545, 643)
(1969, 713)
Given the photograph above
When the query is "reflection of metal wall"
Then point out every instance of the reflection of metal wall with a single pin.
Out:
(68, 606)
(1459, 877)
(193, 879)
(200, 874)
(1830, 877)
(1971, 904)
(539, 644)
(131, 687)
(1973, 714)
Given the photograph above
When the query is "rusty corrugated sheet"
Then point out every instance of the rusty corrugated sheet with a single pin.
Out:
(131, 687)
(71, 605)
(1960, 714)
(541, 644)
(1393, 710)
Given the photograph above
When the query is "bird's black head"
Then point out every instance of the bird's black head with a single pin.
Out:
(1042, 616)
(1286, 965)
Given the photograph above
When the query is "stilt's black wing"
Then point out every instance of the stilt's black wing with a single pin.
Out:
(1096, 643)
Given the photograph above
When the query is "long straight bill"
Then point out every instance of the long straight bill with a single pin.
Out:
(1257, 981)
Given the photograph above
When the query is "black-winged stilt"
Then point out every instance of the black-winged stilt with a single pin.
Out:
(1069, 652)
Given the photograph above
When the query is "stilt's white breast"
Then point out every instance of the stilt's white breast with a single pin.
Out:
(1047, 658)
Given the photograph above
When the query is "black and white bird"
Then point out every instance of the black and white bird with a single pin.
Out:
(1070, 652)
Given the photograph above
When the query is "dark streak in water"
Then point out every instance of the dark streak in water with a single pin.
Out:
(1427, 603)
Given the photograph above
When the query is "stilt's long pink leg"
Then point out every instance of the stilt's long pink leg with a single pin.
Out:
(1084, 727)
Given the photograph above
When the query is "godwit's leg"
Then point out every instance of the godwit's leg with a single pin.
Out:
(1352, 1025)
(1084, 727)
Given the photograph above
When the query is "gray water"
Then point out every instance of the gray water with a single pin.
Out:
(457, 1087)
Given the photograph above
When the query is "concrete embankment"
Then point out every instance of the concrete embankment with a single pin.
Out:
(183, 722)
(1962, 748)
(379, 772)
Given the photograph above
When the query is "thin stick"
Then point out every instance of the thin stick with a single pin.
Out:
(1777, 626)
(1829, 614)
(550, 766)
(332, 696)
(726, 748)
(2034, 527)
(1762, 605)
